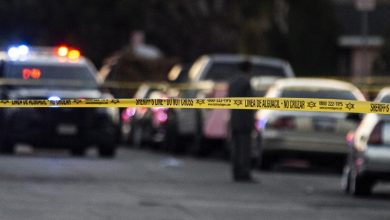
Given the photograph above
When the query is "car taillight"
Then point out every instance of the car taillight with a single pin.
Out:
(283, 123)
(376, 135)
(128, 113)
(160, 116)
(349, 137)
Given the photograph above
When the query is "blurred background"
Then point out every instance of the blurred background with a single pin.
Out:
(175, 163)
(324, 37)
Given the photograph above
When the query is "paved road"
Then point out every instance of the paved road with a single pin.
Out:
(144, 185)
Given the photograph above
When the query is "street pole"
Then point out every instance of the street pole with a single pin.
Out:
(365, 64)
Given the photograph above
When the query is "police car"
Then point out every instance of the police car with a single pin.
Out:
(28, 73)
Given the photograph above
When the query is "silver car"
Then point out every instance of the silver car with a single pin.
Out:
(195, 127)
(369, 153)
(318, 136)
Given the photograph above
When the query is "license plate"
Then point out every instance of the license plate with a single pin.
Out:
(67, 129)
(324, 124)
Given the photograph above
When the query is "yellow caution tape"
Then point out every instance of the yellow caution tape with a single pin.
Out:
(285, 104)
(202, 85)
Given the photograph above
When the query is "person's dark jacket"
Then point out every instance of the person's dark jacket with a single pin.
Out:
(241, 120)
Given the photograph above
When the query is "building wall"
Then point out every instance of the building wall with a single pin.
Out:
(362, 60)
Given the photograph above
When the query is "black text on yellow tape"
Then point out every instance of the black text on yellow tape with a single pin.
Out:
(283, 104)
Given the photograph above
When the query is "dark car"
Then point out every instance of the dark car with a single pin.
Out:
(54, 74)
(145, 126)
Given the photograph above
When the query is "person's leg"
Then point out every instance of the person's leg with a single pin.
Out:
(235, 156)
(245, 155)
(241, 157)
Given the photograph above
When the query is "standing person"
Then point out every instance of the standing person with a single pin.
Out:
(241, 122)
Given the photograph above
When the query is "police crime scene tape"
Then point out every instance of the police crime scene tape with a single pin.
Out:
(284, 104)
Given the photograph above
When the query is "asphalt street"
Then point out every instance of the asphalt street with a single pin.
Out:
(140, 184)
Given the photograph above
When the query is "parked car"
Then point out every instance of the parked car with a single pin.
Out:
(193, 128)
(317, 136)
(368, 160)
(145, 126)
(179, 73)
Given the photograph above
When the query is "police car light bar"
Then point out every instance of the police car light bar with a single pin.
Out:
(64, 51)
(17, 52)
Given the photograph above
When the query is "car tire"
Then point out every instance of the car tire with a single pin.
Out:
(78, 151)
(7, 148)
(265, 160)
(360, 186)
(196, 148)
(137, 136)
(125, 134)
(106, 151)
(171, 141)
(346, 180)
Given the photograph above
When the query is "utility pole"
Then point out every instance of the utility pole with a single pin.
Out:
(365, 6)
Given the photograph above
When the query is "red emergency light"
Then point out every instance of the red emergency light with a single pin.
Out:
(64, 51)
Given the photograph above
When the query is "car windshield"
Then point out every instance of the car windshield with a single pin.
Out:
(317, 93)
(224, 71)
(385, 99)
(54, 74)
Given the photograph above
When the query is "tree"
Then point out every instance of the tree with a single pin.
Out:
(312, 37)
(189, 28)
(97, 27)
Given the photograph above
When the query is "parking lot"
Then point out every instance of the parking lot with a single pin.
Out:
(143, 184)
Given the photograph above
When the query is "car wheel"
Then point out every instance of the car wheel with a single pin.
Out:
(360, 186)
(137, 136)
(170, 140)
(126, 134)
(196, 148)
(106, 151)
(78, 151)
(265, 160)
(346, 180)
(7, 148)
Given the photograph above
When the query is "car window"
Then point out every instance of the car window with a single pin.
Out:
(385, 99)
(80, 73)
(320, 94)
(223, 71)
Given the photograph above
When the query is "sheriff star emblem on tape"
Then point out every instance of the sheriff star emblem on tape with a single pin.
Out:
(311, 104)
(115, 101)
(200, 102)
(238, 102)
(350, 106)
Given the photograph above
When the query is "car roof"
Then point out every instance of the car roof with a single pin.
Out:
(317, 83)
(240, 57)
(44, 56)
